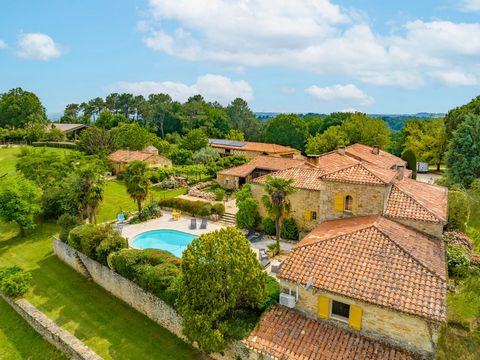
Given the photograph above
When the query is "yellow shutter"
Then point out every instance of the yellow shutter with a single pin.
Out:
(355, 320)
(308, 215)
(323, 307)
(338, 203)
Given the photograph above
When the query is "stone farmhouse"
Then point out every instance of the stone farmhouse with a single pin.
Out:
(150, 155)
(369, 279)
(253, 149)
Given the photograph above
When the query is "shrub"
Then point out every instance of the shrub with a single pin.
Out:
(458, 262)
(14, 282)
(156, 279)
(409, 156)
(218, 209)
(194, 208)
(289, 229)
(66, 222)
(219, 194)
(123, 261)
(247, 216)
(458, 210)
(157, 256)
(63, 145)
(269, 226)
(168, 184)
(89, 238)
(272, 293)
(273, 249)
(148, 212)
(109, 245)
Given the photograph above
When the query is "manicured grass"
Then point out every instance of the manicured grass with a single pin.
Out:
(19, 341)
(116, 199)
(8, 160)
(109, 326)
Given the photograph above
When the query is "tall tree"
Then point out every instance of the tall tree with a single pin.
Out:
(329, 140)
(243, 119)
(137, 181)
(276, 200)
(463, 157)
(133, 137)
(160, 107)
(363, 129)
(19, 108)
(456, 116)
(125, 104)
(95, 141)
(220, 277)
(70, 114)
(19, 202)
(288, 130)
(195, 140)
(96, 106)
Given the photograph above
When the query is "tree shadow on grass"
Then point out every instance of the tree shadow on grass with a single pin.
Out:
(106, 324)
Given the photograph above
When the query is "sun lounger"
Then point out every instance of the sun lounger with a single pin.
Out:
(264, 259)
(258, 238)
(203, 225)
(193, 224)
(250, 233)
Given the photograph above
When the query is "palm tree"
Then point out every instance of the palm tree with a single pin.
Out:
(275, 201)
(136, 181)
(88, 187)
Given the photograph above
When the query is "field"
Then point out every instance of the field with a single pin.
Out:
(110, 327)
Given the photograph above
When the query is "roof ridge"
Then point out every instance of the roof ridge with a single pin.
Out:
(359, 164)
(415, 201)
(407, 252)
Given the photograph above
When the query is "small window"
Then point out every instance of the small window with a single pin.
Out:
(226, 181)
(313, 215)
(348, 203)
(340, 310)
(227, 151)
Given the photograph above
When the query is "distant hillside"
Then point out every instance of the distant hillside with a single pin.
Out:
(394, 121)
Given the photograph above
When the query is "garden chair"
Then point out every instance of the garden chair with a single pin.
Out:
(193, 224)
(176, 214)
(120, 222)
(204, 223)
(264, 259)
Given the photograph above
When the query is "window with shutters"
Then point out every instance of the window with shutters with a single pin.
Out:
(348, 203)
(313, 215)
(340, 311)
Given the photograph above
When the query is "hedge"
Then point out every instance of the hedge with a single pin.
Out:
(194, 208)
(55, 144)
(96, 241)
(148, 212)
(153, 270)
(289, 229)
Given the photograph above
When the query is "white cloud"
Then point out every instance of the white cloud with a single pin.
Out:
(311, 35)
(37, 46)
(454, 78)
(3, 44)
(211, 87)
(344, 93)
(470, 5)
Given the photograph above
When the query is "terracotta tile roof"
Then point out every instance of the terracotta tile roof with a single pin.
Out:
(415, 200)
(303, 177)
(263, 162)
(365, 153)
(374, 260)
(257, 147)
(286, 335)
(127, 156)
(334, 160)
(361, 173)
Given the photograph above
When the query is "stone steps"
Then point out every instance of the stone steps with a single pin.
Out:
(82, 266)
(228, 219)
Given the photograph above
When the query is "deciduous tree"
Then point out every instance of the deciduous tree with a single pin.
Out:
(288, 130)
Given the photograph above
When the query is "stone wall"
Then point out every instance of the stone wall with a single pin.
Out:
(232, 183)
(434, 229)
(407, 331)
(136, 297)
(54, 334)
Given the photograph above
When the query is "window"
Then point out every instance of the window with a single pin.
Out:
(227, 151)
(313, 215)
(348, 206)
(226, 181)
(340, 310)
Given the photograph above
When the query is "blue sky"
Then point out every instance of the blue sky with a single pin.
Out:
(281, 55)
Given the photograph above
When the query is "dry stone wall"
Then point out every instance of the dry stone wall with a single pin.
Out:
(136, 297)
(54, 334)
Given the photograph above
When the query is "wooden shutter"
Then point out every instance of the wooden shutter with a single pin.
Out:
(308, 215)
(355, 319)
(338, 203)
(323, 307)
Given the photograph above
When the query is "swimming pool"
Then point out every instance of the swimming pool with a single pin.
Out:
(170, 240)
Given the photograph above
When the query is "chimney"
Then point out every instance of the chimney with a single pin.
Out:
(400, 172)
(376, 149)
(313, 159)
(341, 150)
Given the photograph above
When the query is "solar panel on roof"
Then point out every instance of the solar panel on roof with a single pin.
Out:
(227, 142)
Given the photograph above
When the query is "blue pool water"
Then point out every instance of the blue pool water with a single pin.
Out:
(170, 240)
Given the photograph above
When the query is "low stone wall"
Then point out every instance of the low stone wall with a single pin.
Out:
(132, 294)
(54, 334)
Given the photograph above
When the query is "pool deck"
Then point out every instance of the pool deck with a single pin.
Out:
(166, 222)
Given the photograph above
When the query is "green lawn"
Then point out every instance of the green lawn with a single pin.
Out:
(110, 327)
(116, 199)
